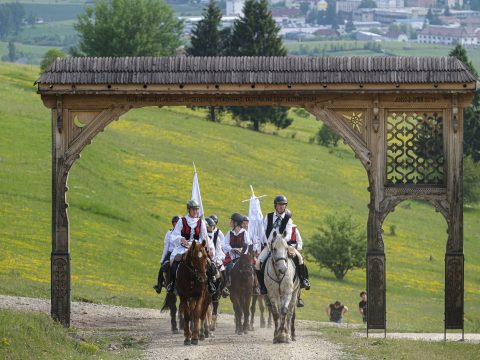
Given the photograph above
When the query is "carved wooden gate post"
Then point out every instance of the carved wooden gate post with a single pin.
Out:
(454, 259)
(376, 281)
(60, 257)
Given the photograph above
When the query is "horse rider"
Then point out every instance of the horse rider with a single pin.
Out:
(168, 247)
(217, 238)
(245, 222)
(236, 241)
(295, 246)
(279, 221)
(191, 228)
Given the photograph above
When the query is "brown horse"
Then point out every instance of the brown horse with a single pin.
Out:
(241, 291)
(192, 288)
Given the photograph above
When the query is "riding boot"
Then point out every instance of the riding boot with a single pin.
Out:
(226, 288)
(173, 275)
(158, 286)
(211, 279)
(302, 274)
(261, 282)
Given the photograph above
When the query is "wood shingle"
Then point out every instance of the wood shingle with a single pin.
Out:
(255, 70)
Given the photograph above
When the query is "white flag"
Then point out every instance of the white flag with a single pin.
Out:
(196, 191)
(255, 224)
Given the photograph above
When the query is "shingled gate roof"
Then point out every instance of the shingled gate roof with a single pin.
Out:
(255, 70)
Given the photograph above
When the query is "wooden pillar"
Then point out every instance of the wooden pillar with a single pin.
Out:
(60, 256)
(454, 259)
(376, 280)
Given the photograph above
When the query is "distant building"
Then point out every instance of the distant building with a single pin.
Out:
(435, 34)
(421, 3)
(368, 36)
(347, 5)
(390, 4)
(234, 7)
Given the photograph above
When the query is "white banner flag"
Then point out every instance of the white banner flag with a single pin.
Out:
(196, 191)
(255, 216)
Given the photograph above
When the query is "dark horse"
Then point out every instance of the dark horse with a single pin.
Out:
(191, 283)
(171, 303)
(241, 291)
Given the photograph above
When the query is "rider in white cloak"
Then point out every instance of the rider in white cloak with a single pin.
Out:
(279, 221)
(188, 229)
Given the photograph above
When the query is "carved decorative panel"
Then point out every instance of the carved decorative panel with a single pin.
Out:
(355, 119)
(454, 275)
(415, 151)
(61, 288)
(376, 289)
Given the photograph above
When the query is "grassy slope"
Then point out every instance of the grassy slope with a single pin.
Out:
(37, 336)
(137, 174)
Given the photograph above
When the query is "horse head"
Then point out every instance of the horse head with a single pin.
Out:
(197, 257)
(279, 249)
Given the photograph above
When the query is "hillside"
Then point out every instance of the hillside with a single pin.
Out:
(137, 174)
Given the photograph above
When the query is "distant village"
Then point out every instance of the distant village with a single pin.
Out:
(423, 21)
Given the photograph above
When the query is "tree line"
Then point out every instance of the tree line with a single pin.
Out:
(11, 19)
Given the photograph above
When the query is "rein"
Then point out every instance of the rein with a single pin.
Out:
(275, 271)
(195, 272)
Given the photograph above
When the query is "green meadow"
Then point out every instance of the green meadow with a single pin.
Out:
(137, 174)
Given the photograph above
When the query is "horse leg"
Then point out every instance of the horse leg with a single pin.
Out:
(195, 318)
(186, 329)
(292, 326)
(238, 319)
(252, 313)
(181, 319)
(213, 324)
(276, 315)
(246, 312)
(261, 307)
(173, 313)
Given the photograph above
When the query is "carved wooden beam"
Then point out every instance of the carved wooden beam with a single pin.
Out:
(338, 125)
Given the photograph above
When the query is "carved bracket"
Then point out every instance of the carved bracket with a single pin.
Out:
(348, 134)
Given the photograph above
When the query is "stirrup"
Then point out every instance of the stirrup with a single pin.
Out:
(225, 292)
(211, 288)
(157, 288)
(256, 290)
(263, 290)
(300, 303)
(171, 287)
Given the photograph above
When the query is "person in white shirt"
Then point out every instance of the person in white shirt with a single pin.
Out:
(279, 221)
(236, 242)
(168, 247)
(216, 237)
(190, 228)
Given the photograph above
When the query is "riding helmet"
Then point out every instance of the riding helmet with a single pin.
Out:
(236, 217)
(280, 199)
(214, 218)
(192, 204)
(210, 221)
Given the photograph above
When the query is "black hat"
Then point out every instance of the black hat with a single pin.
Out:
(280, 199)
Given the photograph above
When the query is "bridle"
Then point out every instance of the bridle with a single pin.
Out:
(274, 260)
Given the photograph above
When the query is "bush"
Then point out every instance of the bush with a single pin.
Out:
(327, 137)
(50, 57)
(471, 181)
(339, 246)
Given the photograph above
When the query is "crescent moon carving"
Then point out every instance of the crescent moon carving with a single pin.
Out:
(78, 123)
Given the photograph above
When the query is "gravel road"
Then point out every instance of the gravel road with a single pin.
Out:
(153, 328)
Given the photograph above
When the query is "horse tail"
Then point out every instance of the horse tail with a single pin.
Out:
(169, 300)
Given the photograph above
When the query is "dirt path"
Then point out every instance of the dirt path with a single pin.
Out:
(153, 327)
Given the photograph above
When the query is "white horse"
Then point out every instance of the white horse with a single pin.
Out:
(283, 287)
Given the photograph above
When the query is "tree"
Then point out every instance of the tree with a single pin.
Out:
(339, 246)
(208, 40)
(12, 56)
(205, 40)
(471, 114)
(326, 137)
(128, 28)
(50, 57)
(256, 34)
(471, 180)
(433, 19)
(368, 4)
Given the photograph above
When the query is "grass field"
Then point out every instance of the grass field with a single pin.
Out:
(37, 336)
(136, 175)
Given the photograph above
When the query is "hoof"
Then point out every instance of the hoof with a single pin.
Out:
(269, 326)
(293, 338)
(245, 331)
(187, 342)
(175, 331)
(194, 341)
(251, 328)
(275, 341)
(202, 337)
(239, 333)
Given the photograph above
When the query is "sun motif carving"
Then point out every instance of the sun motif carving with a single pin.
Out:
(355, 120)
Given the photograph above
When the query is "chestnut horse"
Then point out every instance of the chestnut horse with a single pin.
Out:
(241, 291)
(192, 288)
